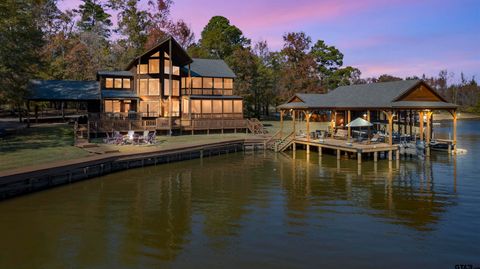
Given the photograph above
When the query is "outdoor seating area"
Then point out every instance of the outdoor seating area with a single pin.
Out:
(131, 138)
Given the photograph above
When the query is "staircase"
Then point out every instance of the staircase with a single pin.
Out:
(256, 127)
(284, 143)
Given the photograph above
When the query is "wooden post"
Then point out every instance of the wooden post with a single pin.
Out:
(454, 114)
(359, 157)
(319, 151)
(333, 121)
(375, 156)
(281, 123)
(390, 155)
(397, 154)
(307, 116)
(293, 120)
(420, 114)
(390, 127)
(429, 133)
(368, 130)
(349, 114)
(308, 149)
(338, 154)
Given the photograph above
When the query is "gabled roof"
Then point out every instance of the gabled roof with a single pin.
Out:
(210, 68)
(63, 90)
(374, 95)
(180, 56)
(114, 73)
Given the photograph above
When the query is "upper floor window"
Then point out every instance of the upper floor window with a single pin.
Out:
(154, 66)
(149, 87)
(228, 83)
(142, 69)
(117, 83)
(175, 87)
(176, 69)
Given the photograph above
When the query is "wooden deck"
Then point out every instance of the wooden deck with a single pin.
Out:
(344, 146)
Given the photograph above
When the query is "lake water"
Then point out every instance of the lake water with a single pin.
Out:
(257, 210)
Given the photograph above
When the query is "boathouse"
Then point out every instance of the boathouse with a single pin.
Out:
(402, 109)
(164, 89)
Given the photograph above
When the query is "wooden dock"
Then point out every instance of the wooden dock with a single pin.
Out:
(344, 146)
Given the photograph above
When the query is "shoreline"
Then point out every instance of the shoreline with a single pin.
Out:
(20, 181)
(460, 116)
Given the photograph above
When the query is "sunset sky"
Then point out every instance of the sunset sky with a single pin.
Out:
(399, 37)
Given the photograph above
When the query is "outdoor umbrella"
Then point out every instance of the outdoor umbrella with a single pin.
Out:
(359, 122)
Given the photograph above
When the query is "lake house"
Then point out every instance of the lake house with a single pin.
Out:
(164, 89)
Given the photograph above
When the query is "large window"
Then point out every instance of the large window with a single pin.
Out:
(228, 83)
(227, 106)
(217, 83)
(154, 66)
(237, 106)
(153, 86)
(143, 69)
(150, 108)
(143, 87)
(176, 87)
(176, 69)
(197, 83)
(207, 83)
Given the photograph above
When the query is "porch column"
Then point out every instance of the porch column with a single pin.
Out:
(368, 119)
(333, 120)
(293, 121)
(308, 114)
(349, 115)
(420, 114)
(429, 132)
(390, 127)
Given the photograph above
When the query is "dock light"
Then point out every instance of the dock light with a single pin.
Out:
(365, 115)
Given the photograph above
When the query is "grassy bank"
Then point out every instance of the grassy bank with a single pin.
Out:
(37, 145)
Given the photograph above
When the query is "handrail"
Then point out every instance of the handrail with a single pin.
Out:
(272, 137)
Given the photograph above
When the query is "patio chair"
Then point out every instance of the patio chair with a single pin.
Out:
(109, 139)
(152, 138)
(131, 137)
(143, 138)
(321, 137)
(341, 134)
(117, 138)
(375, 138)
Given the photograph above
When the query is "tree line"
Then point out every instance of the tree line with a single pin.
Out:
(41, 41)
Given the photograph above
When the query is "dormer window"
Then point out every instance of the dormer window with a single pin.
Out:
(118, 83)
(109, 83)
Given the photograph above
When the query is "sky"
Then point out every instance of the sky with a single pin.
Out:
(397, 37)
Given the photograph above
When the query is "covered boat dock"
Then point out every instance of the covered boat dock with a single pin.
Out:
(399, 113)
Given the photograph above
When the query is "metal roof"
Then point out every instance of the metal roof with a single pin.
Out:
(119, 94)
(374, 95)
(210, 68)
(115, 73)
(63, 90)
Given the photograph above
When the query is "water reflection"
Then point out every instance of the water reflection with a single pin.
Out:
(243, 207)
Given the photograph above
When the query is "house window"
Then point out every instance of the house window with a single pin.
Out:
(197, 83)
(206, 106)
(237, 106)
(154, 66)
(109, 83)
(167, 66)
(217, 106)
(217, 83)
(143, 68)
(196, 106)
(143, 87)
(118, 83)
(157, 54)
(227, 106)
(126, 83)
(228, 83)
(175, 86)
(207, 83)
(150, 108)
(154, 87)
